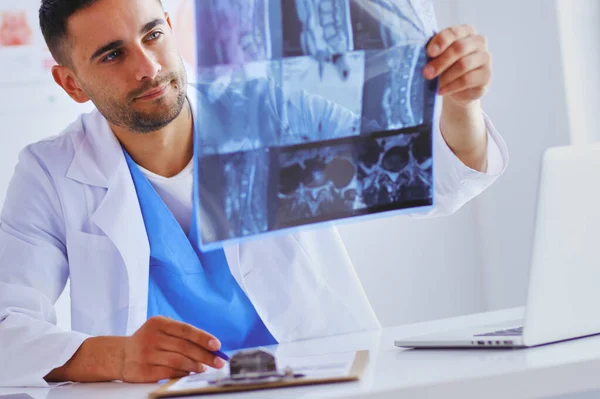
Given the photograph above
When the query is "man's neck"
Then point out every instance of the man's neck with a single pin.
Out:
(165, 152)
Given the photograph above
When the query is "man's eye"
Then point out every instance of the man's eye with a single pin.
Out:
(154, 35)
(111, 56)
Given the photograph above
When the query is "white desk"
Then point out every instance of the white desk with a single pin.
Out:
(568, 367)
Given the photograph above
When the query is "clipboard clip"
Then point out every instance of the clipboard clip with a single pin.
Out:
(252, 367)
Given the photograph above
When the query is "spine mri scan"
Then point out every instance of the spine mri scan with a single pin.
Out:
(310, 111)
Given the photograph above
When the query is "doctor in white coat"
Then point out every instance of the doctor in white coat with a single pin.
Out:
(72, 211)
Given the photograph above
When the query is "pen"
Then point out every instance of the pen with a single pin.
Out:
(221, 355)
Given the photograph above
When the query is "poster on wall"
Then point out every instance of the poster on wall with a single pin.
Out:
(22, 46)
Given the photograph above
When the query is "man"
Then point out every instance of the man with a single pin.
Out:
(76, 208)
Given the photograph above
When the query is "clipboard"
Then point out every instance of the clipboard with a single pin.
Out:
(356, 371)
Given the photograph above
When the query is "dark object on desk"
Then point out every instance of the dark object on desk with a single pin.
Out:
(16, 396)
(252, 363)
(254, 366)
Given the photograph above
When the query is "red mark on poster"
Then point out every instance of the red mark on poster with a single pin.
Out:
(14, 29)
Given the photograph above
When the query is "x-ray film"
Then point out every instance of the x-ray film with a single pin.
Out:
(310, 112)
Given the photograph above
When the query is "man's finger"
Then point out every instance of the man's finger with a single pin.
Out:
(473, 80)
(457, 50)
(161, 372)
(201, 338)
(175, 361)
(191, 350)
(440, 42)
(464, 66)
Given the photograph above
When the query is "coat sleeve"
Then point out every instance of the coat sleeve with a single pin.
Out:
(455, 184)
(33, 273)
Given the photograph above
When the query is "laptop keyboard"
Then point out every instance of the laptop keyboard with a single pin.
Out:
(507, 332)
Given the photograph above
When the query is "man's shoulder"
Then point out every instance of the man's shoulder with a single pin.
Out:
(61, 147)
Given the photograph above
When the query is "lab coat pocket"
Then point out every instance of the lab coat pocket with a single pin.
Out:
(98, 280)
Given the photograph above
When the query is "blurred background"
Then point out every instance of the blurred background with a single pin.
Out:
(545, 92)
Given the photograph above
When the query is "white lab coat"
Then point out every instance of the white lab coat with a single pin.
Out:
(72, 212)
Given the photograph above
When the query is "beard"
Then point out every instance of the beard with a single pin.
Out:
(123, 113)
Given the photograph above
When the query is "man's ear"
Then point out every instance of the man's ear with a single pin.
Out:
(168, 19)
(65, 78)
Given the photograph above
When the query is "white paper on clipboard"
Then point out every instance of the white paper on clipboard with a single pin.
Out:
(319, 366)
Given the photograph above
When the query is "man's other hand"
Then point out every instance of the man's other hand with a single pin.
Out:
(460, 58)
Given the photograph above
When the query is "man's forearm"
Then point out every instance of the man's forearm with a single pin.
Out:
(463, 128)
(98, 359)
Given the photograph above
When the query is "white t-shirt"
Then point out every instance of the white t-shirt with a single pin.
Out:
(176, 193)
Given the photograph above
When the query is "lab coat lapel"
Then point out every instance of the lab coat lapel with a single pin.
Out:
(120, 218)
(99, 161)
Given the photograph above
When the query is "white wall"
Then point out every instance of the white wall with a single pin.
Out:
(527, 104)
(579, 34)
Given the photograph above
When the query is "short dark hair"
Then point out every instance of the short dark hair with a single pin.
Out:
(54, 15)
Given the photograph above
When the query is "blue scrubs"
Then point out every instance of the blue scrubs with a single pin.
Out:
(192, 286)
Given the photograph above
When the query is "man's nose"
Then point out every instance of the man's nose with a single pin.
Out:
(146, 66)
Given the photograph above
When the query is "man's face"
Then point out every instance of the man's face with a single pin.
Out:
(126, 61)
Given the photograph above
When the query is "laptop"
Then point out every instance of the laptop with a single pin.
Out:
(563, 299)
